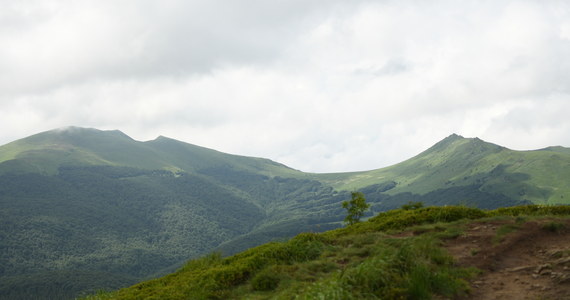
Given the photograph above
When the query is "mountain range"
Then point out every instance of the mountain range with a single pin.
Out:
(107, 211)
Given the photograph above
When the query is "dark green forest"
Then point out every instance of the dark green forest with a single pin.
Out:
(125, 222)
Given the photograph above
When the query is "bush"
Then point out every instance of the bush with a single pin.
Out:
(266, 280)
(532, 210)
(412, 205)
(399, 219)
(554, 227)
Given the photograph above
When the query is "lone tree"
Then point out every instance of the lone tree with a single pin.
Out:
(355, 207)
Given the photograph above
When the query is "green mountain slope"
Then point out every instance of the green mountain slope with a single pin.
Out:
(46, 152)
(539, 176)
(103, 205)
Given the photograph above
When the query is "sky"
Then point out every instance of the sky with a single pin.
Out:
(321, 86)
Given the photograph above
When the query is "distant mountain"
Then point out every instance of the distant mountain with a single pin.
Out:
(46, 152)
(539, 176)
(93, 205)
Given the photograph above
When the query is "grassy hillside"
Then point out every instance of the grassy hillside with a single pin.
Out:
(539, 176)
(73, 146)
(369, 260)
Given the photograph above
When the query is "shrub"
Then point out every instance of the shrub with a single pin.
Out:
(399, 219)
(412, 205)
(266, 280)
(554, 227)
(532, 210)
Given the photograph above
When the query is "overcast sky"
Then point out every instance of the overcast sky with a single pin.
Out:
(321, 86)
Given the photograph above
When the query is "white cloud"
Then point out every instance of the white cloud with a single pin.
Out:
(336, 87)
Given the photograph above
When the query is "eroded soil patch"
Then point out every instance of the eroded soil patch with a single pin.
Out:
(518, 260)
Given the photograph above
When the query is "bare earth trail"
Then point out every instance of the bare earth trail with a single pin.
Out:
(531, 261)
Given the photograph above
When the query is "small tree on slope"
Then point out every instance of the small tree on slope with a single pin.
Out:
(355, 207)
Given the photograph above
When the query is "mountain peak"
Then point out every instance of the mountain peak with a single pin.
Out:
(445, 143)
(451, 139)
(163, 138)
(454, 136)
(456, 142)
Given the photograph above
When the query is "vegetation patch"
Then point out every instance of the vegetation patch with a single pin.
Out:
(554, 227)
(408, 268)
(266, 280)
(503, 231)
(532, 210)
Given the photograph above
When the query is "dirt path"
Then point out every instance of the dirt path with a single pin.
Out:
(532, 261)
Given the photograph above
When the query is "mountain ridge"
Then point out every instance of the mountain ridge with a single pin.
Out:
(88, 146)
(453, 161)
(101, 202)
(74, 136)
(466, 161)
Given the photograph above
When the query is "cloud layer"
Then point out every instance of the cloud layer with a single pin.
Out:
(322, 86)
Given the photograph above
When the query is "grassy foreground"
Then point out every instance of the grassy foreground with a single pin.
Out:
(368, 260)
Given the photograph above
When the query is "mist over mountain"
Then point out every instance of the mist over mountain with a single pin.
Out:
(107, 211)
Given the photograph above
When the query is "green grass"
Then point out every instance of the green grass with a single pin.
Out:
(503, 231)
(367, 260)
(48, 150)
(412, 268)
(540, 176)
